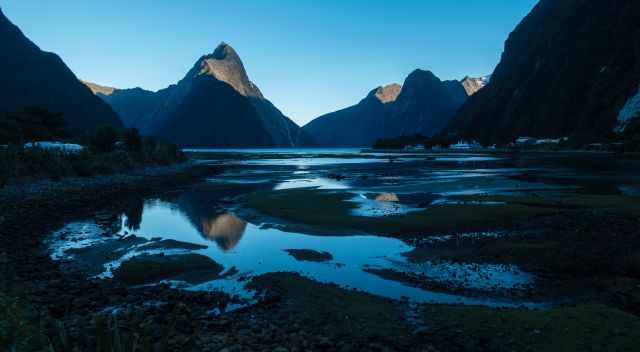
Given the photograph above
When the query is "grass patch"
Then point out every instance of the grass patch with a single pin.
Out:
(588, 327)
(332, 211)
(335, 310)
(612, 203)
(309, 255)
(150, 268)
(19, 326)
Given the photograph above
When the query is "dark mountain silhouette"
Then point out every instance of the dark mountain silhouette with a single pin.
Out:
(568, 68)
(214, 105)
(358, 125)
(135, 106)
(32, 78)
(423, 105)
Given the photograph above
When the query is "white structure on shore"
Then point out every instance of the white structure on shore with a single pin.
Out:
(417, 147)
(530, 141)
(55, 146)
(463, 145)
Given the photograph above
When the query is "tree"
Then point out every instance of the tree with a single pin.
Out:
(132, 140)
(103, 140)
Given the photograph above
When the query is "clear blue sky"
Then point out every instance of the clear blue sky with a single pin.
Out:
(309, 57)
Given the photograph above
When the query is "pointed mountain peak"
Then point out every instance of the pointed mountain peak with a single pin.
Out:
(418, 73)
(387, 94)
(224, 51)
(225, 65)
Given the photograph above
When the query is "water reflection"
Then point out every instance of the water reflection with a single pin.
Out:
(133, 214)
(195, 213)
(225, 230)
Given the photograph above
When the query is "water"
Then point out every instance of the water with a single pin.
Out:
(208, 215)
(250, 250)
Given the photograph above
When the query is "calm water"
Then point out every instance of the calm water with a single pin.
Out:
(203, 215)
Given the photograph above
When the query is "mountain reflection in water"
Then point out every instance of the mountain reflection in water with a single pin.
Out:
(197, 215)
(226, 230)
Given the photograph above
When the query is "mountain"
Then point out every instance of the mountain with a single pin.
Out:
(32, 78)
(473, 84)
(214, 105)
(422, 105)
(358, 125)
(571, 67)
(135, 106)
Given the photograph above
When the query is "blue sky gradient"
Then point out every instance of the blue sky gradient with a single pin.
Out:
(308, 57)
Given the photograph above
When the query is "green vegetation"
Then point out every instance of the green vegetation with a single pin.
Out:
(19, 327)
(32, 124)
(108, 150)
(587, 327)
(17, 162)
(332, 210)
(333, 309)
(150, 268)
(22, 330)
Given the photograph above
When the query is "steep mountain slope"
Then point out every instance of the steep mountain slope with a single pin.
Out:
(135, 106)
(568, 68)
(358, 125)
(34, 78)
(423, 105)
(214, 105)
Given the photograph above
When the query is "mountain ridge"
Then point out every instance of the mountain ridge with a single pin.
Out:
(36, 78)
(423, 104)
(211, 106)
(588, 49)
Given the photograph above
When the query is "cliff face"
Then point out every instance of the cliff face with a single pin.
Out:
(568, 68)
(473, 84)
(423, 105)
(214, 105)
(34, 78)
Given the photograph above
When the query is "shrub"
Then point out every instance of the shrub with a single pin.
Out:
(132, 140)
(22, 164)
(19, 328)
(103, 140)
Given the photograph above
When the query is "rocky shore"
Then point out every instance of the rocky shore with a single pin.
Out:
(69, 311)
(69, 299)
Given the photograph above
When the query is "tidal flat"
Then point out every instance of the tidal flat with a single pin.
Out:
(383, 250)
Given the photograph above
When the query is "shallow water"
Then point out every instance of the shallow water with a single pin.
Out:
(247, 249)
(253, 250)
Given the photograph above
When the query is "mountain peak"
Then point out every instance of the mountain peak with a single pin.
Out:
(421, 73)
(225, 65)
(387, 94)
(224, 51)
